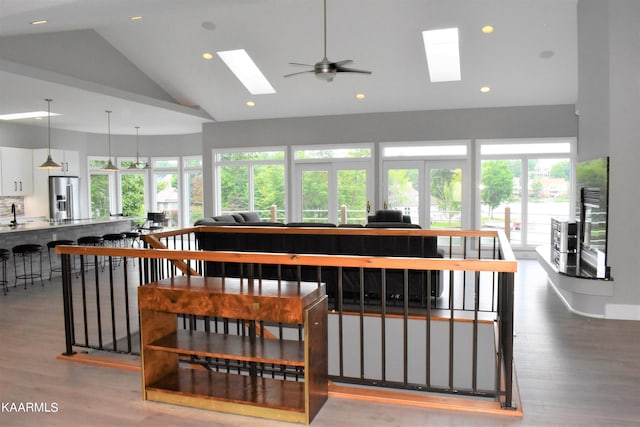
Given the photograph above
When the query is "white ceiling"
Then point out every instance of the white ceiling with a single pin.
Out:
(530, 59)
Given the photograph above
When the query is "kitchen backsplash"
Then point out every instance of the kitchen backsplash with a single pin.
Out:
(5, 206)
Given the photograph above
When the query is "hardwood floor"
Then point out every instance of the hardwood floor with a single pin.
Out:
(571, 370)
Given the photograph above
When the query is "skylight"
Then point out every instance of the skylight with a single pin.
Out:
(241, 64)
(27, 115)
(443, 54)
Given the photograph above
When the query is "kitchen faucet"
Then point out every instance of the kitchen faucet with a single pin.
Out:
(13, 211)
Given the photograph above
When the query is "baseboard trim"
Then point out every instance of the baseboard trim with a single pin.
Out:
(427, 401)
(100, 360)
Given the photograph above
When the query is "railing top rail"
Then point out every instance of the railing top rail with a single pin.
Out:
(298, 259)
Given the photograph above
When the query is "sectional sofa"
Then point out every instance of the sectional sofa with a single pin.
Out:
(337, 243)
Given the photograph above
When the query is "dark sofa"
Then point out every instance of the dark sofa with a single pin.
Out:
(331, 244)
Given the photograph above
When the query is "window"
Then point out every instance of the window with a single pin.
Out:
(101, 188)
(531, 180)
(132, 185)
(192, 167)
(333, 184)
(251, 181)
(427, 180)
(166, 196)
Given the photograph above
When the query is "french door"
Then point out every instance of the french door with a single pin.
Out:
(333, 192)
(433, 192)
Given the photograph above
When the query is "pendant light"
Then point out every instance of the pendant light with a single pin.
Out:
(49, 163)
(137, 164)
(110, 167)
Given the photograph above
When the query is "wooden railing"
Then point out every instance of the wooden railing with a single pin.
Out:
(446, 345)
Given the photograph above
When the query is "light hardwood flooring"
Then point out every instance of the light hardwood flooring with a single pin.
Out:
(571, 370)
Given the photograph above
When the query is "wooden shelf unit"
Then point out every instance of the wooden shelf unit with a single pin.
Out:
(270, 301)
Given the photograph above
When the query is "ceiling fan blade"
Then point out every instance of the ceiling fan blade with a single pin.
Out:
(345, 62)
(351, 70)
(299, 63)
(299, 72)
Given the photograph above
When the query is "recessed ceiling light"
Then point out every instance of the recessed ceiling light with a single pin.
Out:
(251, 104)
(27, 115)
(40, 22)
(485, 89)
(241, 64)
(208, 25)
(360, 96)
(443, 54)
(487, 29)
(136, 18)
(546, 54)
(207, 55)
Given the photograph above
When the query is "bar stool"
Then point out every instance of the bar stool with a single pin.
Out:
(4, 257)
(114, 240)
(91, 241)
(132, 238)
(27, 252)
(51, 245)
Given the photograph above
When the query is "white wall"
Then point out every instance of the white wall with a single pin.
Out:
(609, 87)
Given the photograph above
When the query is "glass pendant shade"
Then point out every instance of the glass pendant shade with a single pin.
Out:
(49, 163)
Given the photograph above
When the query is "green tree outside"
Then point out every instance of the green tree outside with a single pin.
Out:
(497, 183)
(99, 196)
(446, 189)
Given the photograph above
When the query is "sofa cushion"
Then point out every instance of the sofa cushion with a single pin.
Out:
(310, 224)
(391, 225)
(388, 215)
(250, 216)
(224, 218)
(205, 221)
(238, 217)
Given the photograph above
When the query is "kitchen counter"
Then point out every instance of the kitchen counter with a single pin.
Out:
(28, 225)
(41, 232)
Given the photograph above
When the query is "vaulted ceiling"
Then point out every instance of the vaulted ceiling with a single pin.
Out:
(90, 57)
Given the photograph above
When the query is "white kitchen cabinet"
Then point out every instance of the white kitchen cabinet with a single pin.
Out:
(68, 160)
(16, 171)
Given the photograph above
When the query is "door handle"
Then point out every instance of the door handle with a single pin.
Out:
(20, 185)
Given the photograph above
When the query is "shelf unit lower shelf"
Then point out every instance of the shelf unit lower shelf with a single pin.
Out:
(238, 394)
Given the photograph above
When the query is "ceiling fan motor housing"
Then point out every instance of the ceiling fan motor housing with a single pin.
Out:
(325, 70)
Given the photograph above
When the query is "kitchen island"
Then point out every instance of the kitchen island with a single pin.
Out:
(41, 232)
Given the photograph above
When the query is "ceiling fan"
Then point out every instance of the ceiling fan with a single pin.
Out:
(325, 69)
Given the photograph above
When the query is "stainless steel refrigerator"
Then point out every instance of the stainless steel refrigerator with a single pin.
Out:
(64, 198)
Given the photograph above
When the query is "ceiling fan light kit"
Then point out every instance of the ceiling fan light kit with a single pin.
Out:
(325, 69)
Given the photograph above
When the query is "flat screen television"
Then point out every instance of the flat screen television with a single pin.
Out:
(592, 212)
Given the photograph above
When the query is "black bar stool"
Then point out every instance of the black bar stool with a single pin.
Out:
(132, 238)
(58, 268)
(91, 241)
(114, 240)
(27, 252)
(4, 257)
